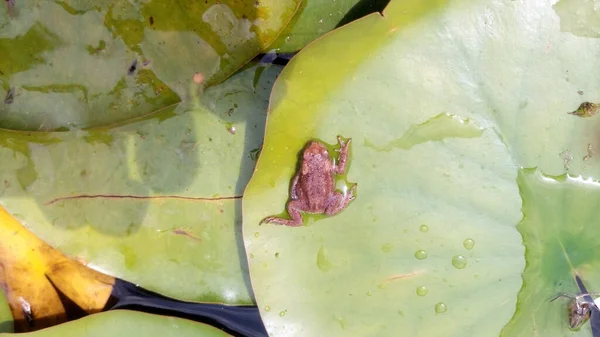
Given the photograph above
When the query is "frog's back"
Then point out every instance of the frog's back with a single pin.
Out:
(317, 186)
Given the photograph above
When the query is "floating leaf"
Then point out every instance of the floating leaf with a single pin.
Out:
(449, 105)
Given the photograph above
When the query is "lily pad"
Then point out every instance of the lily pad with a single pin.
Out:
(127, 323)
(558, 226)
(156, 202)
(450, 105)
(77, 64)
(315, 18)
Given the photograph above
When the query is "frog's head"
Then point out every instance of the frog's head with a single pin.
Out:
(316, 152)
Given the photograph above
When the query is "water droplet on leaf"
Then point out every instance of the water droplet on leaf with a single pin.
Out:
(421, 254)
(440, 308)
(459, 262)
(469, 244)
(422, 291)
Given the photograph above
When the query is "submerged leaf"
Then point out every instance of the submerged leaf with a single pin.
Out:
(79, 64)
(155, 202)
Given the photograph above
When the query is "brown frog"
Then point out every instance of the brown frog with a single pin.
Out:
(313, 187)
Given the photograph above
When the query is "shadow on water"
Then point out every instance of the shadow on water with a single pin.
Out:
(238, 321)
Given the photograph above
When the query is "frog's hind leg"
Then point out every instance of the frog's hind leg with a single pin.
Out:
(339, 201)
(294, 214)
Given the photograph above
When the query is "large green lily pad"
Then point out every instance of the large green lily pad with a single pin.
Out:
(156, 202)
(127, 323)
(452, 107)
(78, 64)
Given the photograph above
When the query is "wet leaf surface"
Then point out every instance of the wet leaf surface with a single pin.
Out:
(462, 127)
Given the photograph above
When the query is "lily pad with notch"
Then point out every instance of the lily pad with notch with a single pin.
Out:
(473, 175)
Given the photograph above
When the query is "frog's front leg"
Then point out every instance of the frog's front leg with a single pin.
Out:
(340, 166)
(294, 211)
(338, 201)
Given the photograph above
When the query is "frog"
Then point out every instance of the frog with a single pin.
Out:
(313, 187)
